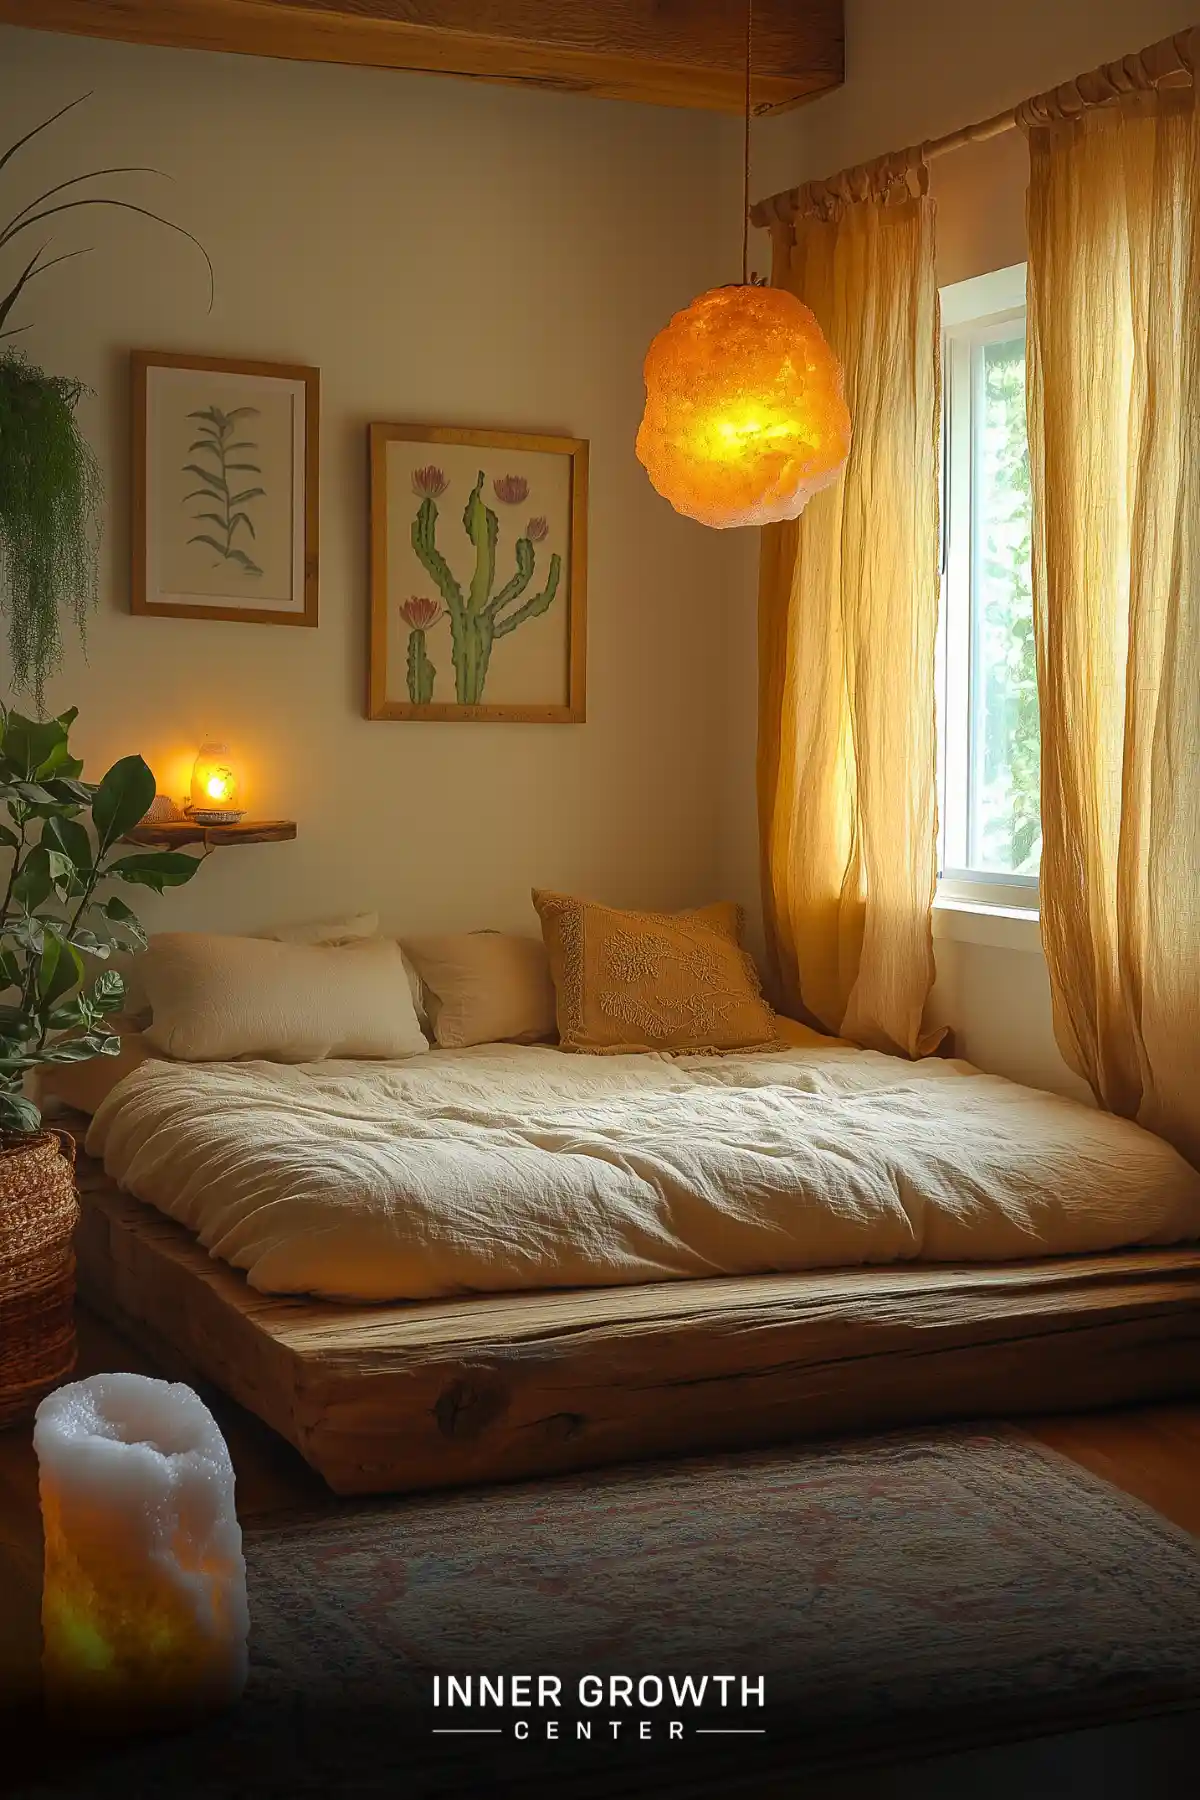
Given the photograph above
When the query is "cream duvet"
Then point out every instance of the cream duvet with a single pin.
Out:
(504, 1167)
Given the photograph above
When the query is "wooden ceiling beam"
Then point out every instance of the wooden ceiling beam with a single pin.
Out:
(665, 52)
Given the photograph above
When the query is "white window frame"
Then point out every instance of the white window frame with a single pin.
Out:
(975, 312)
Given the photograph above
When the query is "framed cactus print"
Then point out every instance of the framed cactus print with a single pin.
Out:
(225, 504)
(478, 575)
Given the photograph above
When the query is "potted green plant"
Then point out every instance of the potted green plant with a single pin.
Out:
(60, 920)
(50, 484)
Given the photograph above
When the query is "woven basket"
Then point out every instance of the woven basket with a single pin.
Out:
(37, 1270)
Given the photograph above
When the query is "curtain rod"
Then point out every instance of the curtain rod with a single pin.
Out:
(1168, 59)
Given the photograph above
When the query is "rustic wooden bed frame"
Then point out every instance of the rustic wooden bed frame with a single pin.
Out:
(444, 1393)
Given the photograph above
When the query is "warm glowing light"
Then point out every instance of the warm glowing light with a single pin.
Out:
(144, 1616)
(216, 781)
(745, 417)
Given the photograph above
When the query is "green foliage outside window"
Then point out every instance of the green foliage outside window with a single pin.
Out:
(1008, 746)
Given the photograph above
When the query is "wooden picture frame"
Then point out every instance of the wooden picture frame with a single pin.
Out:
(422, 649)
(211, 573)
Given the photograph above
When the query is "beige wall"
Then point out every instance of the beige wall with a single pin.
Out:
(915, 71)
(449, 251)
(444, 251)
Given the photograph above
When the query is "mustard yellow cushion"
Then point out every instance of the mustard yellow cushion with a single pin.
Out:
(628, 981)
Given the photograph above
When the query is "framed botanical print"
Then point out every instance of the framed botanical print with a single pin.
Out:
(225, 480)
(478, 575)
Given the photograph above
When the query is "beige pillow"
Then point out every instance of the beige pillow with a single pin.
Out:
(214, 999)
(629, 981)
(485, 987)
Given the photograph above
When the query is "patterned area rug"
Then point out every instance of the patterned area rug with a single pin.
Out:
(929, 1589)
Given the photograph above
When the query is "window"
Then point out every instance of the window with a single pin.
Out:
(988, 707)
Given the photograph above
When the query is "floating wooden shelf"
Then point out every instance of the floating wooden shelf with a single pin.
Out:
(681, 53)
(173, 834)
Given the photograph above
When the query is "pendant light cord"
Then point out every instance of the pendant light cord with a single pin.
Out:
(746, 147)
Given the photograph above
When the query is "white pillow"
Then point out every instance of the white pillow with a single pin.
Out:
(328, 931)
(484, 987)
(349, 931)
(324, 931)
(215, 999)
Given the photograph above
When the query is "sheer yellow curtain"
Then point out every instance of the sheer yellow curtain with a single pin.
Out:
(847, 618)
(1114, 415)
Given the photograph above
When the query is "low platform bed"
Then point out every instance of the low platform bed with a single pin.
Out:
(429, 1394)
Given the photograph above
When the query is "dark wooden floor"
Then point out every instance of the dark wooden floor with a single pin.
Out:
(1151, 1452)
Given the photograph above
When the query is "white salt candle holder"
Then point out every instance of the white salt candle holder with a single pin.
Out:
(144, 1615)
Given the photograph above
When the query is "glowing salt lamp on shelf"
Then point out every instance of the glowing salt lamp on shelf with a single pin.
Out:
(144, 1614)
(217, 786)
(745, 416)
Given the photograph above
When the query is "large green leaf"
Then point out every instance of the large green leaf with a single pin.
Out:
(71, 838)
(124, 921)
(61, 970)
(108, 991)
(18, 1114)
(66, 788)
(34, 884)
(69, 1017)
(29, 744)
(62, 872)
(122, 800)
(157, 869)
(28, 933)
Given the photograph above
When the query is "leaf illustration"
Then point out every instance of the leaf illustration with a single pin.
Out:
(214, 481)
(239, 556)
(215, 434)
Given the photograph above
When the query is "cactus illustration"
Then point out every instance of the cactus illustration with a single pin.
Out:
(482, 613)
(419, 614)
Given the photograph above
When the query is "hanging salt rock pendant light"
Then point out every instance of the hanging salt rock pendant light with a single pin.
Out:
(745, 416)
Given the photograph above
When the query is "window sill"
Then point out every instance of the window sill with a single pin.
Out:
(973, 922)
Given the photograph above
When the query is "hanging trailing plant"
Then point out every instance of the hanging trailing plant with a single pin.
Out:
(49, 494)
(50, 485)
